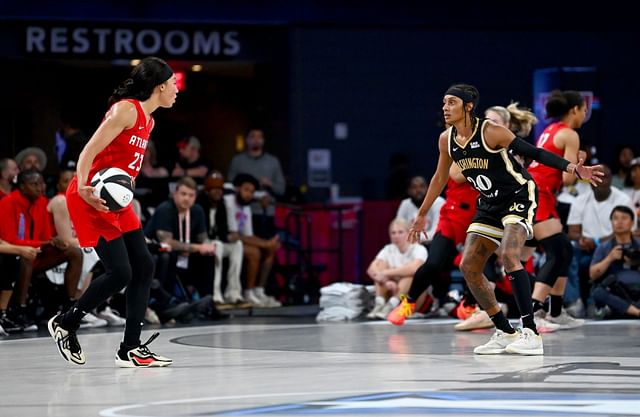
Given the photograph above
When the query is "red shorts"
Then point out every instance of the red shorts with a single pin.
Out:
(91, 224)
(546, 206)
(454, 222)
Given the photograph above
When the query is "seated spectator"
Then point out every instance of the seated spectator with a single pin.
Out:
(150, 168)
(634, 190)
(259, 253)
(180, 224)
(25, 221)
(31, 158)
(587, 227)
(228, 245)
(8, 173)
(10, 256)
(408, 208)
(189, 162)
(393, 268)
(614, 270)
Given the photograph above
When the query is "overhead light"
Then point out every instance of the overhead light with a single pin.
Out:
(196, 68)
(135, 62)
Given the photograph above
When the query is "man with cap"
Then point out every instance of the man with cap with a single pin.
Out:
(228, 244)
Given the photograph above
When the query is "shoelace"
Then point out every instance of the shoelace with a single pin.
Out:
(71, 341)
(143, 347)
(405, 307)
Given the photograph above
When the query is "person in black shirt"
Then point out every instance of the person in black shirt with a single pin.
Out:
(506, 208)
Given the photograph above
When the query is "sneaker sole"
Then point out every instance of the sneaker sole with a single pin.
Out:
(128, 364)
(528, 352)
(54, 335)
(489, 352)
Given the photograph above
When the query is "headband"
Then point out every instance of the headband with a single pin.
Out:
(461, 94)
(165, 74)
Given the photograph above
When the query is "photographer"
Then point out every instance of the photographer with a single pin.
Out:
(614, 268)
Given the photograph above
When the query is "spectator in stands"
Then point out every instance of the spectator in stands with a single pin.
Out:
(614, 267)
(150, 167)
(70, 140)
(622, 166)
(266, 168)
(634, 190)
(25, 221)
(31, 158)
(259, 253)
(588, 224)
(10, 256)
(408, 208)
(228, 244)
(393, 268)
(189, 161)
(180, 223)
(8, 173)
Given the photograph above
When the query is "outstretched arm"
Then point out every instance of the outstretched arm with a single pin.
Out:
(437, 184)
(500, 137)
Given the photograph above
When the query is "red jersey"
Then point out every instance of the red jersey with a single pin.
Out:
(24, 222)
(126, 151)
(547, 178)
(460, 195)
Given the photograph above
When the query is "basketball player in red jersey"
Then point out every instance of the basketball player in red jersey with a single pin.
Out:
(120, 141)
(570, 110)
(455, 217)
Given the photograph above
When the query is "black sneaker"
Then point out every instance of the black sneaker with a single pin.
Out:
(9, 325)
(67, 342)
(21, 318)
(140, 356)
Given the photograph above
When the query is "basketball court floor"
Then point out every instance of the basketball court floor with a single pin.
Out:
(289, 365)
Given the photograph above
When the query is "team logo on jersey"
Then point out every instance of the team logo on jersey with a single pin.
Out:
(475, 145)
(517, 207)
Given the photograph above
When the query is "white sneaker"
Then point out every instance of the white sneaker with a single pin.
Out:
(478, 320)
(271, 302)
(112, 317)
(373, 314)
(91, 321)
(564, 321)
(217, 299)
(234, 298)
(543, 325)
(151, 317)
(384, 311)
(251, 297)
(497, 344)
(528, 343)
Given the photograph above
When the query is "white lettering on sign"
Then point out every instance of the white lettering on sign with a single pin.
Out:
(84, 40)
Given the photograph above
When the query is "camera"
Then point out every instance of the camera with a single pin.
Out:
(633, 255)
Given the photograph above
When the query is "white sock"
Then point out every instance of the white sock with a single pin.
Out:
(394, 301)
(380, 301)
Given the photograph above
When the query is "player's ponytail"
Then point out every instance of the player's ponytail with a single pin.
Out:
(147, 75)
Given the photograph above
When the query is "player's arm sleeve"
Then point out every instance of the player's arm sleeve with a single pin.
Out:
(524, 148)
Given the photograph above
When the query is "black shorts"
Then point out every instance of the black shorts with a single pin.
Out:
(491, 218)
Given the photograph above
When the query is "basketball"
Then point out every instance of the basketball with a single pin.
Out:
(114, 186)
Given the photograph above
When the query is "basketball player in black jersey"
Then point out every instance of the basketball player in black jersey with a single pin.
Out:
(506, 208)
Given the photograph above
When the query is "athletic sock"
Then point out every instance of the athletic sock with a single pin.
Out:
(555, 305)
(501, 322)
(522, 293)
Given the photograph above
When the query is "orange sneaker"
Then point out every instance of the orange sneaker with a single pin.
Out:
(399, 314)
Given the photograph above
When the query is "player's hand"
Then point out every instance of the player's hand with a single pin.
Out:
(87, 194)
(593, 174)
(417, 229)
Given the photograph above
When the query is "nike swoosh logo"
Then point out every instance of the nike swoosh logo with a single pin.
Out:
(141, 127)
(455, 149)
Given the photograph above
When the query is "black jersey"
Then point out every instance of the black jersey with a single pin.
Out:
(494, 173)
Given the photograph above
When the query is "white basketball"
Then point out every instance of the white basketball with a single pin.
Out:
(114, 186)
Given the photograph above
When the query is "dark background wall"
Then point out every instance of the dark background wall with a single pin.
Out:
(379, 67)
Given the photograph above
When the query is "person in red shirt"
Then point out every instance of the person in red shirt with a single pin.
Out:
(119, 142)
(25, 222)
(8, 172)
(569, 110)
(455, 217)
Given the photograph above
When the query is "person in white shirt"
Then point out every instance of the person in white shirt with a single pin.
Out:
(408, 208)
(393, 268)
(259, 253)
(634, 191)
